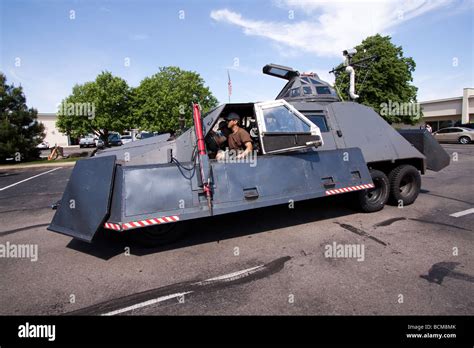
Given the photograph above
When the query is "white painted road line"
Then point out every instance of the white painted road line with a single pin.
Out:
(147, 303)
(35, 176)
(462, 213)
(179, 294)
(231, 275)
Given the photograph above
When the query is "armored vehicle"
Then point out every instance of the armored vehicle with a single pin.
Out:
(306, 144)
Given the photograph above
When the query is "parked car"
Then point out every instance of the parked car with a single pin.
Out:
(99, 143)
(43, 146)
(126, 139)
(115, 140)
(146, 135)
(88, 140)
(455, 135)
(466, 125)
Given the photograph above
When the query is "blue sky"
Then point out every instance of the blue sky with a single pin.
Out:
(48, 46)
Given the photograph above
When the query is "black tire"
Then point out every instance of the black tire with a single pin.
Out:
(464, 140)
(155, 236)
(405, 184)
(374, 199)
(81, 146)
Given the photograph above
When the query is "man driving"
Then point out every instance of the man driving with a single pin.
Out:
(239, 139)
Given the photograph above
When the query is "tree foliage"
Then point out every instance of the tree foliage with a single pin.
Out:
(96, 107)
(155, 105)
(160, 100)
(20, 131)
(387, 81)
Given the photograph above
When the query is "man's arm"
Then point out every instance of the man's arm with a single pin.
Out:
(248, 149)
(247, 140)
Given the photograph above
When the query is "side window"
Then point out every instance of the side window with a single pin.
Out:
(304, 80)
(323, 90)
(307, 90)
(294, 92)
(456, 130)
(280, 119)
(442, 131)
(319, 120)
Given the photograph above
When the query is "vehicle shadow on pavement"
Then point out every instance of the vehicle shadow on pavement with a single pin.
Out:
(109, 244)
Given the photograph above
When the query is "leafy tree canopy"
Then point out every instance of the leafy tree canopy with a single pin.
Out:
(20, 130)
(96, 107)
(160, 100)
(109, 104)
(387, 82)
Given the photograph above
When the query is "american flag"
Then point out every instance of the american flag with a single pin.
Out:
(229, 85)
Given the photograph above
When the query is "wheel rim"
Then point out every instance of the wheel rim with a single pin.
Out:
(374, 194)
(463, 140)
(407, 184)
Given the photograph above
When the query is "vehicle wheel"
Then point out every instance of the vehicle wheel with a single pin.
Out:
(80, 146)
(464, 140)
(374, 199)
(405, 184)
(154, 236)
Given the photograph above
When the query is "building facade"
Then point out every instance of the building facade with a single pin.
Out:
(449, 112)
(53, 135)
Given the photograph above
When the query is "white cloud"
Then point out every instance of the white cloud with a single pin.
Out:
(329, 27)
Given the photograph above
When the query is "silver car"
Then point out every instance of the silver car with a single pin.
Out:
(88, 140)
(126, 139)
(455, 135)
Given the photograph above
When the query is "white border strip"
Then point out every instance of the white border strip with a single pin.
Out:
(147, 303)
(35, 176)
(179, 294)
(462, 213)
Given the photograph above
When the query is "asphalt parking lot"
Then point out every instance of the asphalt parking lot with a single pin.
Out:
(417, 259)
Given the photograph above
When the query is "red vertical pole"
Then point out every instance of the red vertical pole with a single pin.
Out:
(203, 160)
(198, 129)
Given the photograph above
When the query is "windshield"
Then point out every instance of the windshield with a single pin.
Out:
(280, 119)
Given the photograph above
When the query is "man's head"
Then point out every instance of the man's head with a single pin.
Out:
(232, 120)
(223, 128)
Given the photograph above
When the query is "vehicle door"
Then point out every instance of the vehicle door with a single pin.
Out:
(454, 134)
(442, 135)
(282, 128)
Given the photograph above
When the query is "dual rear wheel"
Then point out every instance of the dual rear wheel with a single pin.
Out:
(401, 187)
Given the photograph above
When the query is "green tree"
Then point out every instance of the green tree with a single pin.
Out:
(160, 100)
(387, 80)
(20, 130)
(96, 107)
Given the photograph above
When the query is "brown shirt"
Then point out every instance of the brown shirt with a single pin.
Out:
(238, 139)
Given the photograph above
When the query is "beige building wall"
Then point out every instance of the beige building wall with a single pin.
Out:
(53, 135)
(448, 112)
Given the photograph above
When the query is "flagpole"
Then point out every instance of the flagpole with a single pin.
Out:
(229, 85)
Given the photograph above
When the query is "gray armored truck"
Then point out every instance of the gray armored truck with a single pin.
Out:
(306, 144)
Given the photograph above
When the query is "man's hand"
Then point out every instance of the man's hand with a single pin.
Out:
(248, 149)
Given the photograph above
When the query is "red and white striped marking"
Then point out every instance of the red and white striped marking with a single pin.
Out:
(349, 189)
(112, 226)
(141, 223)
